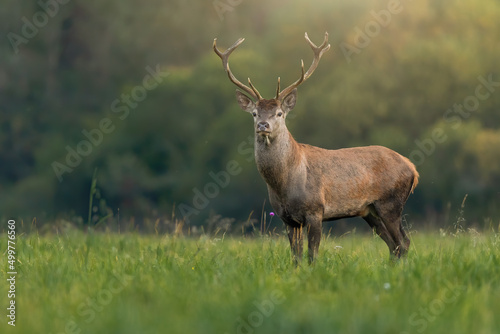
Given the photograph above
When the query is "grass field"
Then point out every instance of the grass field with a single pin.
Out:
(130, 283)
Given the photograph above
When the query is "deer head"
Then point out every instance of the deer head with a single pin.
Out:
(270, 114)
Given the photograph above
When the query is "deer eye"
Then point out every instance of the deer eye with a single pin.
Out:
(280, 114)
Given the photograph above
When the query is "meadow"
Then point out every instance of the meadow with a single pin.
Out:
(77, 282)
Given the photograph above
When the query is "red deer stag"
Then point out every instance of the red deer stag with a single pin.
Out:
(308, 185)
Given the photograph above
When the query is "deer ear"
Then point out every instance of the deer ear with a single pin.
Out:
(245, 102)
(289, 101)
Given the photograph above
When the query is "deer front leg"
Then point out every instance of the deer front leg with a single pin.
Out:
(313, 238)
(295, 237)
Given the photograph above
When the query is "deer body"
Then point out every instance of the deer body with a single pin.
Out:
(308, 185)
(331, 183)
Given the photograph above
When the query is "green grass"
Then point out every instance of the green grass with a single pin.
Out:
(129, 283)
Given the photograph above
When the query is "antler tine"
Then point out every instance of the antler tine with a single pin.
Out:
(318, 52)
(322, 46)
(278, 89)
(225, 55)
(253, 92)
(256, 92)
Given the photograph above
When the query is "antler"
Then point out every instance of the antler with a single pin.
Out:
(318, 52)
(224, 56)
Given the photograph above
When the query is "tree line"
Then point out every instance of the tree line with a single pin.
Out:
(136, 93)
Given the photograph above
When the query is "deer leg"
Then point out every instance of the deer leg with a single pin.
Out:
(313, 239)
(405, 237)
(378, 225)
(295, 237)
(391, 216)
(395, 228)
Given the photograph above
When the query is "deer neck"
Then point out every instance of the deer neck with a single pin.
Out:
(277, 158)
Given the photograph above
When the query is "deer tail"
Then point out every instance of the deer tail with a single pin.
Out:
(414, 181)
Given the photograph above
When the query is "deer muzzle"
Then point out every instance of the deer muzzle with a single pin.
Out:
(263, 128)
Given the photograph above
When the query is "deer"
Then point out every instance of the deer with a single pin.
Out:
(308, 185)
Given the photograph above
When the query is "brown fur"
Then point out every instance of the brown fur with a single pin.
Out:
(308, 185)
(268, 104)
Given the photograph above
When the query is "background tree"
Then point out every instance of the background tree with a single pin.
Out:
(410, 68)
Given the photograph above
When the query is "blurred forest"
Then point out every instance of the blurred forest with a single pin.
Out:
(133, 91)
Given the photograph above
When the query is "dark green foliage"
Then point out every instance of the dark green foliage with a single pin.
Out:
(395, 90)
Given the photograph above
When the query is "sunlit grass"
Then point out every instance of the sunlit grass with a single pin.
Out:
(112, 283)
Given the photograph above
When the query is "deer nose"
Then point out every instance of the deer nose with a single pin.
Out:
(262, 126)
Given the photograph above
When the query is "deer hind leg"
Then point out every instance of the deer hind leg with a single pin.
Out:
(396, 229)
(405, 237)
(295, 237)
(391, 216)
(377, 224)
